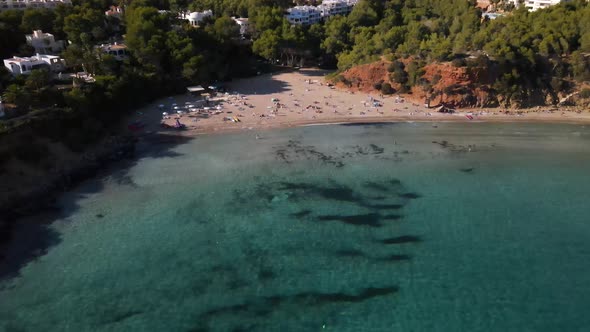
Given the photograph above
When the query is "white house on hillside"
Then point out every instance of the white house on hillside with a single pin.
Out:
(44, 43)
(336, 7)
(244, 25)
(533, 5)
(304, 15)
(119, 51)
(195, 18)
(24, 65)
(23, 4)
(312, 14)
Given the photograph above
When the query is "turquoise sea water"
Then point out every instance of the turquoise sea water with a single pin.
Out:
(393, 227)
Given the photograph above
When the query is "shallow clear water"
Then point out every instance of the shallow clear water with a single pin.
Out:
(395, 227)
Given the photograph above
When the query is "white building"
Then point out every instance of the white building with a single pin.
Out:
(44, 43)
(336, 7)
(23, 4)
(195, 18)
(244, 25)
(304, 15)
(491, 16)
(119, 51)
(533, 5)
(313, 14)
(24, 65)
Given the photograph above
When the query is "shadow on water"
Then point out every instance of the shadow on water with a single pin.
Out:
(24, 239)
(368, 124)
(266, 305)
(402, 239)
(393, 196)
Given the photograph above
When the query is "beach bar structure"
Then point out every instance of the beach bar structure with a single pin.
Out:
(197, 89)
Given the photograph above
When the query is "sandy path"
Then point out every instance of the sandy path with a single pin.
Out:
(306, 99)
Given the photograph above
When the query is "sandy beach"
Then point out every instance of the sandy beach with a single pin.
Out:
(303, 97)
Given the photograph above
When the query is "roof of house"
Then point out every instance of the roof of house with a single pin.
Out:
(32, 58)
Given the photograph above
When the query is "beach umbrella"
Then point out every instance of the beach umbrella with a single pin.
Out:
(161, 105)
(164, 113)
(175, 107)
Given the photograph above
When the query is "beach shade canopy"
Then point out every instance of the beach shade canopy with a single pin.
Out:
(195, 89)
(164, 113)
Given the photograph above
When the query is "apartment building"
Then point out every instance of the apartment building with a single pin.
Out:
(304, 15)
(533, 5)
(336, 7)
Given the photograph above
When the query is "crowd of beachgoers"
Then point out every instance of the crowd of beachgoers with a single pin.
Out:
(304, 97)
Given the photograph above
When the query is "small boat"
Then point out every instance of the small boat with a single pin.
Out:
(470, 117)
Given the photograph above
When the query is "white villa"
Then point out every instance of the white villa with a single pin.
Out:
(244, 25)
(304, 15)
(533, 5)
(195, 18)
(23, 4)
(312, 14)
(24, 65)
(119, 51)
(44, 43)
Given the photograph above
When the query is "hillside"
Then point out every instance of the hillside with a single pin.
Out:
(449, 84)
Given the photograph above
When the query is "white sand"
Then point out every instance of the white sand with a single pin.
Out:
(306, 99)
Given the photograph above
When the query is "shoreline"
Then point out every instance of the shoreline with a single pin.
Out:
(212, 130)
(302, 98)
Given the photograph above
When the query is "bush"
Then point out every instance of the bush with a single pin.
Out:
(399, 76)
(459, 63)
(585, 93)
(404, 88)
(378, 85)
(31, 152)
(386, 89)
(396, 66)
